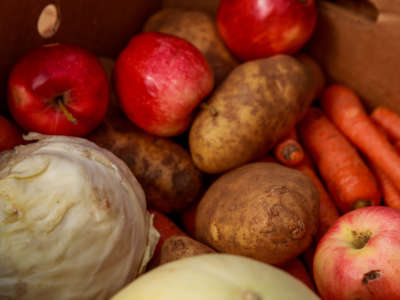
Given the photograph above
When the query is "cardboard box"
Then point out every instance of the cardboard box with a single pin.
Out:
(357, 42)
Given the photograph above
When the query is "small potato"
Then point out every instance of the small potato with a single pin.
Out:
(254, 107)
(164, 169)
(261, 210)
(177, 247)
(200, 29)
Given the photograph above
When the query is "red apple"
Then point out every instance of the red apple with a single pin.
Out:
(359, 256)
(58, 89)
(160, 79)
(10, 134)
(260, 28)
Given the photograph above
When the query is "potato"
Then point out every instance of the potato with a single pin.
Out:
(261, 210)
(164, 169)
(200, 29)
(177, 247)
(254, 107)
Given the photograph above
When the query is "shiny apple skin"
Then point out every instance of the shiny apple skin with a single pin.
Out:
(160, 80)
(255, 29)
(68, 72)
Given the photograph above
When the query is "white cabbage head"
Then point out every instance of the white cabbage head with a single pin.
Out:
(73, 221)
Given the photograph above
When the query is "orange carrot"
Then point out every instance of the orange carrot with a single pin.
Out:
(296, 268)
(289, 152)
(348, 179)
(391, 195)
(397, 146)
(166, 228)
(388, 120)
(345, 109)
(328, 212)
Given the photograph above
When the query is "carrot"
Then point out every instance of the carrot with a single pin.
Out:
(391, 195)
(166, 228)
(388, 120)
(348, 179)
(397, 146)
(328, 213)
(345, 109)
(289, 151)
(296, 268)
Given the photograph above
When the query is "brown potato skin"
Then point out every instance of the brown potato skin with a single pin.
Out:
(254, 107)
(165, 170)
(177, 247)
(261, 210)
(198, 28)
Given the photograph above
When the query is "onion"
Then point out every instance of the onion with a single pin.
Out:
(73, 221)
(216, 277)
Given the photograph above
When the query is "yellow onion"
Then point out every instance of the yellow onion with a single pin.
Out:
(73, 221)
(216, 277)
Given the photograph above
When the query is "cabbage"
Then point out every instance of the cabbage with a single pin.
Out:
(216, 277)
(73, 221)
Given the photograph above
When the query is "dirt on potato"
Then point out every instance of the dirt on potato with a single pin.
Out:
(254, 107)
(261, 210)
(164, 169)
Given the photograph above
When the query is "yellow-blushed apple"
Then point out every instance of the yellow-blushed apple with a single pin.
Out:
(358, 258)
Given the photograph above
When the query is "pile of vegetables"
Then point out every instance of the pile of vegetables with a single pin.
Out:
(234, 207)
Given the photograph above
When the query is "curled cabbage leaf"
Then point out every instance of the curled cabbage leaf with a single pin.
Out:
(73, 221)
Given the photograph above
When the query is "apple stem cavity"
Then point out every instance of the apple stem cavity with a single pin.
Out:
(360, 239)
(249, 295)
(210, 108)
(60, 103)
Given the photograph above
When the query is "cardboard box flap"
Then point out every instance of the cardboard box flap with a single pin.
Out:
(358, 44)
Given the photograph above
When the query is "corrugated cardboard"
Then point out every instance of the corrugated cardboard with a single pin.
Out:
(358, 43)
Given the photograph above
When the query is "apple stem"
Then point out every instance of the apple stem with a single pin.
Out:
(67, 114)
(210, 108)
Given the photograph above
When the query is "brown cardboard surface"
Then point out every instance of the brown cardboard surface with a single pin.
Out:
(209, 6)
(358, 43)
(103, 27)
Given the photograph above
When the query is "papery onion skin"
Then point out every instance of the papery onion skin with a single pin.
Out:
(216, 277)
(73, 221)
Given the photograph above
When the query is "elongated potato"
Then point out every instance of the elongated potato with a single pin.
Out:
(261, 210)
(177, 247)
(256, 105)
(198, 28)
(164, 169)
